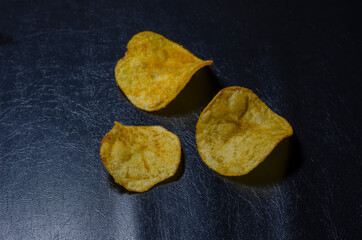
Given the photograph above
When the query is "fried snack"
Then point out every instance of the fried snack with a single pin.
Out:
(237, 131)
(154, 70)
(138, 157)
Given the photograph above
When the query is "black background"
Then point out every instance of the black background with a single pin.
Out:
(59, 98)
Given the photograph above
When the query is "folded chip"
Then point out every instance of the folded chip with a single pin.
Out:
(138, 157)
(237, 131)
(154, 70)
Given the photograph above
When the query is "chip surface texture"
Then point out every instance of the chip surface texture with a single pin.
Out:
(154, 70)
(138, 157)
(237, 131)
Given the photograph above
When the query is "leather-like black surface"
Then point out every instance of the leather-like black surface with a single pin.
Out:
(59, 98)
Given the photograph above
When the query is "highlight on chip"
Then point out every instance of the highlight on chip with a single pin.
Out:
(138, 157)
(154, 70)
(237, 131)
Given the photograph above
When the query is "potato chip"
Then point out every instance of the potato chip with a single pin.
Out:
(138, 157)
(154, 70)
(237, 131)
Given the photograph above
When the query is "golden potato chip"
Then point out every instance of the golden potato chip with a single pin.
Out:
(237, 131)
(138, 157)
(154, 70)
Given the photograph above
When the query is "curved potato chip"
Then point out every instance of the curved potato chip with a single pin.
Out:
(138, 157)
(237, 131)
(154, 70)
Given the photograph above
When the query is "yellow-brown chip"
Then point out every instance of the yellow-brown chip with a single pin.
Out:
(154, 70)
(138, 157)
(237, 131)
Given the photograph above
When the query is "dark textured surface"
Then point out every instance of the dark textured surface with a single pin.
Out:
(59, 98)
